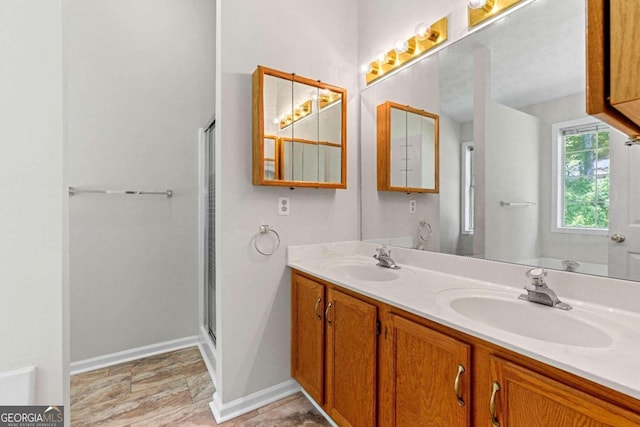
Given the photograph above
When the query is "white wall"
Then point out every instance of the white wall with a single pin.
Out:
(33, 217)
(316, 40)
(140, 84)
(511, 175)
(581, 247)
(385, 214)
(450, 182)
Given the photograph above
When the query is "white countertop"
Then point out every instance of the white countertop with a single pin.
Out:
(423, 291)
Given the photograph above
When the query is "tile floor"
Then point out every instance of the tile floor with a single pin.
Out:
(170, 389)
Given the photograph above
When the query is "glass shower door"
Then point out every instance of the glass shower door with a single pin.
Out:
(210, 233)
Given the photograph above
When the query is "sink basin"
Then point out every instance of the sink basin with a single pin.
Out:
(362, 271)
(502, 310)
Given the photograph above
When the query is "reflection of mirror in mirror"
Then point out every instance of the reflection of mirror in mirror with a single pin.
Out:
(407, 149)
(303, 130)
(270, 166)
(534, 188)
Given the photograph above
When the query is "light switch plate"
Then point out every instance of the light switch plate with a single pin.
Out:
(284, 206)
(412, 206)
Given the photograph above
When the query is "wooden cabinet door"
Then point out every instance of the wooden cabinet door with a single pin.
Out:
(422, 383)
(351, 360)
(529, 399)
(307, 335)
(625, 57)
(607, 64)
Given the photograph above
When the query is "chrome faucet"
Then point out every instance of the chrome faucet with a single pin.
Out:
(539, 292)
(384, 258)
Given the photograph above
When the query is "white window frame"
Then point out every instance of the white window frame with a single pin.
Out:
(557, 180)
(466, 187)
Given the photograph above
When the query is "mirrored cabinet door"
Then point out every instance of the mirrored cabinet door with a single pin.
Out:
(299, 131)
(407, 149)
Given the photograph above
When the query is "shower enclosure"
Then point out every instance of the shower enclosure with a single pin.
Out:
(209, 231)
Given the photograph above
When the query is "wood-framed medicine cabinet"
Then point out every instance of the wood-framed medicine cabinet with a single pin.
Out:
(613, 58)
(408, 149)
(299, 131)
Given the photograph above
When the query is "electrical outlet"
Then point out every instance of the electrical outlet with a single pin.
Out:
(284, 206)
(412, 206)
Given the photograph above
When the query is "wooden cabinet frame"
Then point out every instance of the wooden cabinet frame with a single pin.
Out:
(383, 120)
(258, 130)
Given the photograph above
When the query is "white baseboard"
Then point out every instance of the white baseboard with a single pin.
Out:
(209, 354)
(224, 412)
(132, 354)
(18, 387)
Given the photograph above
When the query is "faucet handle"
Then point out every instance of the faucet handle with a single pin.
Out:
(536, 275)
(383, 251)
(530, 287)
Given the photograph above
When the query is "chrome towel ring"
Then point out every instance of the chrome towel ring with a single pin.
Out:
(263, 230)
(424, 231)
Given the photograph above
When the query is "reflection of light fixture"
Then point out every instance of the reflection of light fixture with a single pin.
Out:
(301, 111)
(421, 31)
(481, 10)
(481, 4)
(407, 50)
(424, 32)
(327, 98)
(405, 46)
(386, 58)
(401, 46)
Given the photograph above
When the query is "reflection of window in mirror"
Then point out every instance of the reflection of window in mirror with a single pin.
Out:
(581, 176)
(468, 187)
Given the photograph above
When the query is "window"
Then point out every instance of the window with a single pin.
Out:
(468, 183)
(582, 176)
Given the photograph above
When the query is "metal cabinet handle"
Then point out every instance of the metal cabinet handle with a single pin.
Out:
(618, 238)
(326, 314)
(495, 387)
(456, 385)
(318, 315)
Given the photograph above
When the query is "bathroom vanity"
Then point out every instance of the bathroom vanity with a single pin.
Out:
(415, 346)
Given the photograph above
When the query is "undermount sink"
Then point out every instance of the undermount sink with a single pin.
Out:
(363, 271)
(502, 310)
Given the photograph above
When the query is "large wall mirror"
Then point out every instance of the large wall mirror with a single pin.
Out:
(299, 131)
(407, 149)
(525, 175)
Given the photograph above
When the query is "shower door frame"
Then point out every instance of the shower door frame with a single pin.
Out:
(207, 166)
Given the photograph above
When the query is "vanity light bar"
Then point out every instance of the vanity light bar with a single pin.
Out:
(480, 11)
(409, 50)
(300, 112)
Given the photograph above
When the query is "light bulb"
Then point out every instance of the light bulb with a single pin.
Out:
(276, 121)
(381, 57)
(422, 31)
(314, 96)
(365, 68)
(477, 4)
(401, 45)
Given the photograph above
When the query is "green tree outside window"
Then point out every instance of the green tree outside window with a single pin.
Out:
(586, 178)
